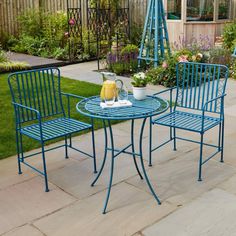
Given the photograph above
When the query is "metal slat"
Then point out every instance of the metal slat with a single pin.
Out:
(195, 86)
(187, 121)
(55, 128)
(29, 96)
(208, 85)
(212, 88)
(50, 91)
(42, 92)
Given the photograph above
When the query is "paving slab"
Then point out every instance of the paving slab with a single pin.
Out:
(26, 230)
(176, 181)
(27, 201)
(229, 185)
(212, 214)
(129, 211)
(76, 178)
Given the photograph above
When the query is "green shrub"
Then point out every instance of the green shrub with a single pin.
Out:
(164, 74)
(30, 22)
(229, 36)
(10, 66)
(41, 34)
(136, 33)
(4, 37)
(60, 53)
(3, 56)
(220, 56)
(123, 61)
(28, 44)
(233, 69)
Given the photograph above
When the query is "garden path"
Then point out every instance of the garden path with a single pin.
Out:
(33, 61)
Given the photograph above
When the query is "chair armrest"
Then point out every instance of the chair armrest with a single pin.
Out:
(167, 90)
(68, 96)
(212, 100)
(72, 95)
(27, 108)
(208, 102)
(17, 106)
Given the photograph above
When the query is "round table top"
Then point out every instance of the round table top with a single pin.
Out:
(148, 107)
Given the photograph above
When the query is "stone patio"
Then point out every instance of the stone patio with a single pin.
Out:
(72, 207)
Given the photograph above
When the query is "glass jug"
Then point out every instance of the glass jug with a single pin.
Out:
(110, 83)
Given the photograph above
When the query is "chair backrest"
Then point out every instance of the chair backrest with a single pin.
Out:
(198, 83)
(38, 89)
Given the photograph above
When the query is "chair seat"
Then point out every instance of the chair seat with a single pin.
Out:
(187, 121)
(55, 128)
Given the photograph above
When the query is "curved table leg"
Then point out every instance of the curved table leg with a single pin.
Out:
(133, 150)
(112, 168)
(105, 156)
(142, 164)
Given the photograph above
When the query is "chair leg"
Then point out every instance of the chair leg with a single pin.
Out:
(150, 142)
(200, 159)
(219, 138)
(44, 168)
(222, 141)
(18, 153)
(70, 141)
(174, 138)
(94, 150)
(66, 148)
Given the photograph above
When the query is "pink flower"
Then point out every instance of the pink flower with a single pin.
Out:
(183, 58)
(72, 22)
(66, 34)
(164, 65)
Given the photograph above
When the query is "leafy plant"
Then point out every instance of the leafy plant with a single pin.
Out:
(165, 73)
(233, 69)
(3, 57)
(140, 80)
(136, 32)
(13, 66)
(41, 34)
(30, 22)
(229, 36)
(123, 61)
(220, 56)
(195, 45)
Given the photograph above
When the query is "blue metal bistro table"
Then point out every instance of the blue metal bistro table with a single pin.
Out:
(144, 109)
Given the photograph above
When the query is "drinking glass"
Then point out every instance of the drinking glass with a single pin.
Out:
(109, 95)
(123, 95)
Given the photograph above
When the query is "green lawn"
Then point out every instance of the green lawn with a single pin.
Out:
(7, 125)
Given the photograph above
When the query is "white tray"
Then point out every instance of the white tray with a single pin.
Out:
(116, 105)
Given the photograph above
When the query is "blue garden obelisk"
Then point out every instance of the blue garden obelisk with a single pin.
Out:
(155, 40)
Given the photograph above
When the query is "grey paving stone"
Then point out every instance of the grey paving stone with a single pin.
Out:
(212, 214)
(26, 230)
(129, 210)
(24, 202)
(176, 180)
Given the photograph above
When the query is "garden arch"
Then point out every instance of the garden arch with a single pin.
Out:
(104, 22)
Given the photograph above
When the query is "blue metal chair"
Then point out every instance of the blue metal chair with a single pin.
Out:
(198, 107)
(40, 114)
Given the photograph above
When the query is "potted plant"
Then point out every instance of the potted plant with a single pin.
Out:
(140, 81)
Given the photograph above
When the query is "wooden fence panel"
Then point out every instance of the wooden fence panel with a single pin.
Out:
(11, 9)
(138, 10)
